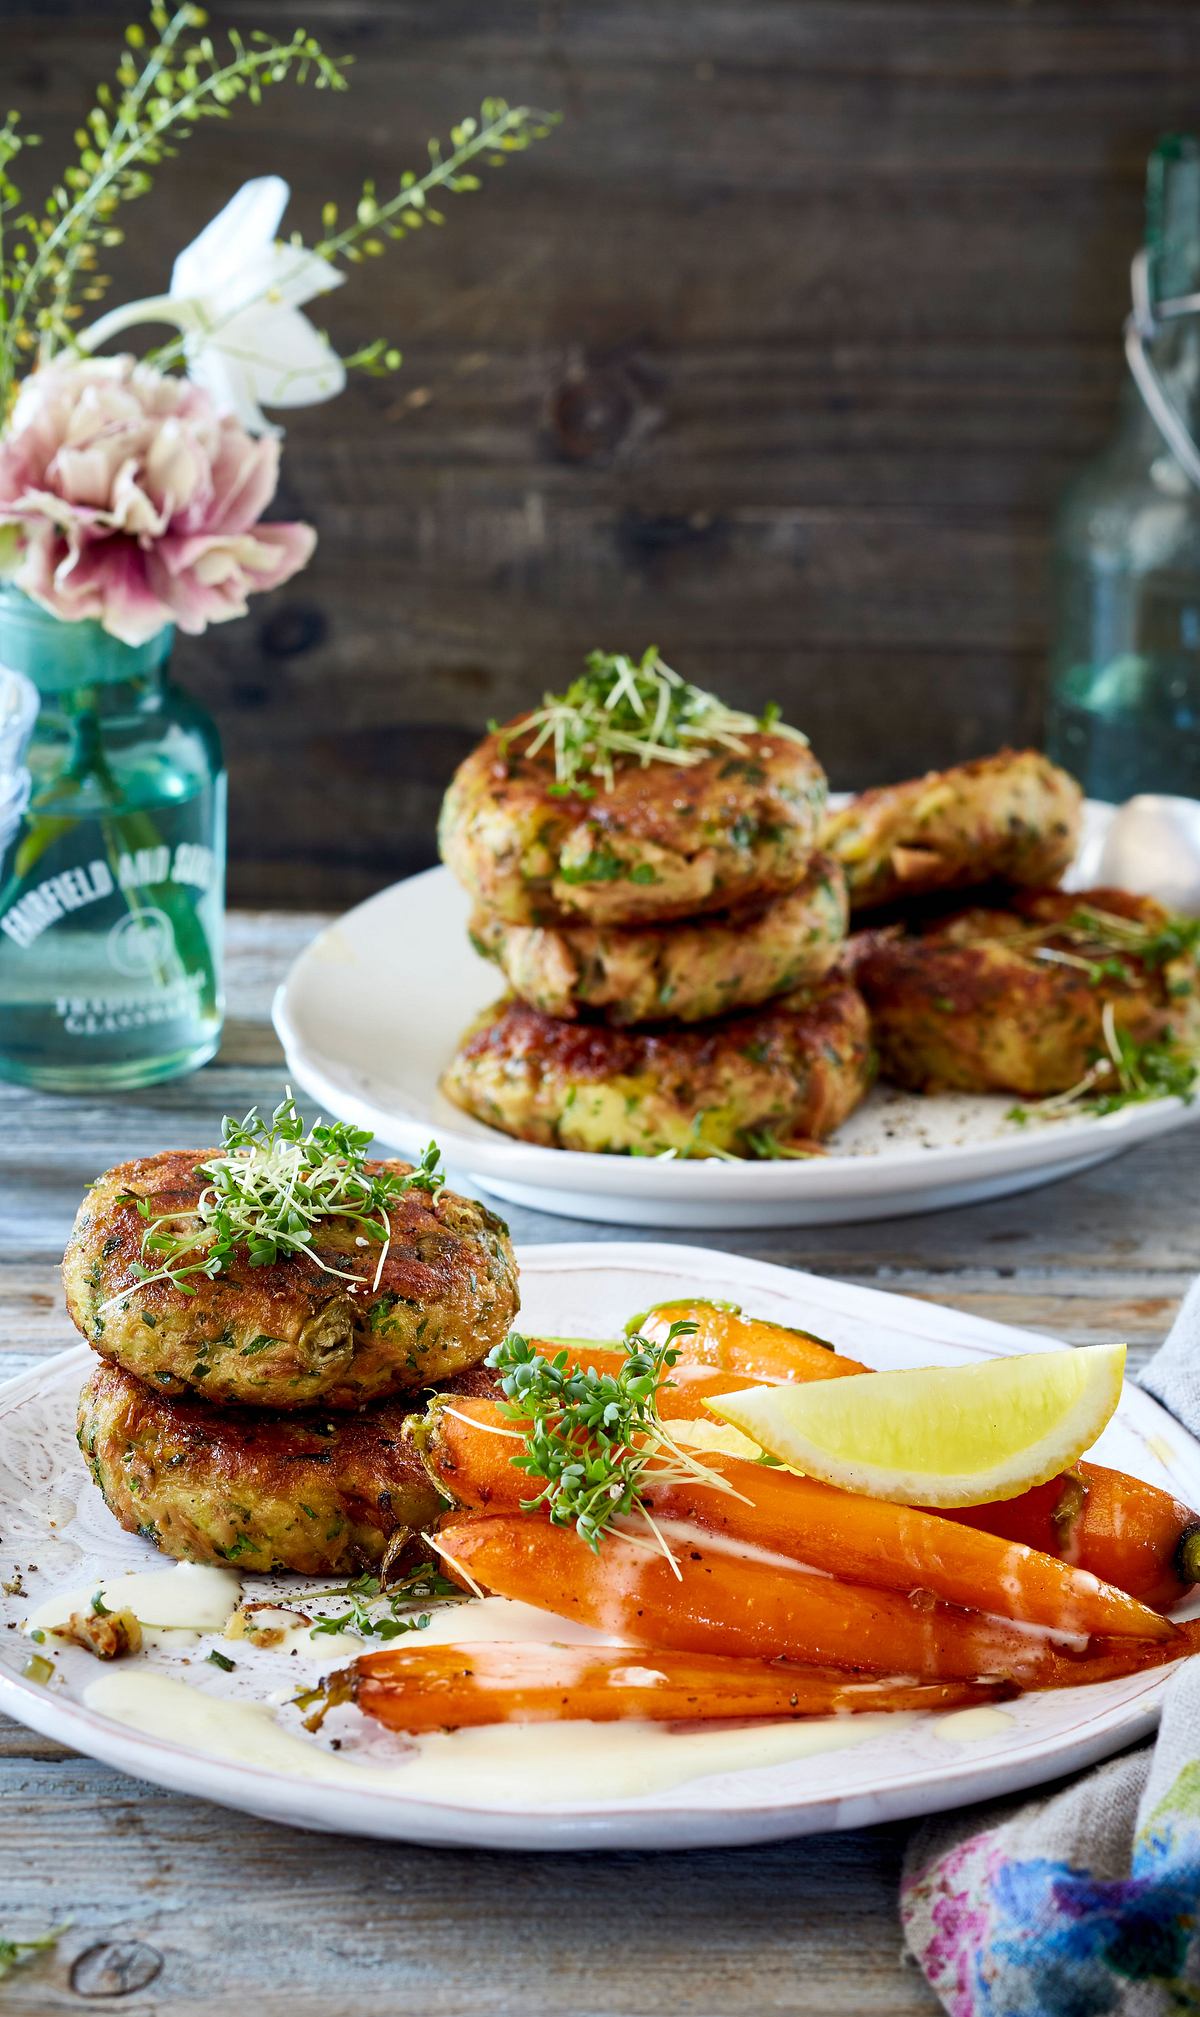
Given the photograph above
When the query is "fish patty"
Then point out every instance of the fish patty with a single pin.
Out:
(664, 841)
(687, 971)
(322, 1494)
(292, 1334)
(1014, 1000)
(791, 1072)
(1010, 818)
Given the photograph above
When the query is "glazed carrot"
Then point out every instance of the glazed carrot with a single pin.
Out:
(1130, 1534)
(732, 1343)
(721, 1602)
(468, 1450)
(420, 1688)
(1121, 1529)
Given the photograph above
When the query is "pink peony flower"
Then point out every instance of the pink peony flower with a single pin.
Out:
(135, 503)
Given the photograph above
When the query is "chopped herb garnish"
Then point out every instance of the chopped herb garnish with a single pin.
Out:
(594, 1440)
(636, 708)
(268, 1193)
(221, 1660)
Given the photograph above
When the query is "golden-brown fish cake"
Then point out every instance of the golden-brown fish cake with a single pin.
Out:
(292, 1334)
(663, 842)
(1009, 818)
(1014, 1000)
(322, 1494)
(793, 1070)
(686, 971)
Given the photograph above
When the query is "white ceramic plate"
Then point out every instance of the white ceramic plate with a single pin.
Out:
(51, 1515)
(370, 1013)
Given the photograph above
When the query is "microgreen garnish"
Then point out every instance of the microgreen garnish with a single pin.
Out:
(364, 1625)
(14, 1952)
(1125, 1073)
(269, 1192)
(769, 1149)
(365, 1593)
(635, 708)
(1100, 943)
(595, 1440)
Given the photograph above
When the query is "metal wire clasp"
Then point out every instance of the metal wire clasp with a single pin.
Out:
(1143, 323)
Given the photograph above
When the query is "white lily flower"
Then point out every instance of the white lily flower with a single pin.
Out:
(236, 295)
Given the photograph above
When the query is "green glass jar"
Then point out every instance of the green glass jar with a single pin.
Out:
(112, 888)
(1124, 703)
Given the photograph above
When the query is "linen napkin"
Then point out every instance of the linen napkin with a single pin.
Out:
(1085, 1902)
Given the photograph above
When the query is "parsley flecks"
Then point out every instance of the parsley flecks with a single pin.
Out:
(268, 1192)
(593, 1441)
(599, 866)
(636, 708)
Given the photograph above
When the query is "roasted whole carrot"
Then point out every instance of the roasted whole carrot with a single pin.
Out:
(421, 1688)
(723, 1603)
(1131, 1535)
(1125, 1531)
(467, 1450)
(732, 1343)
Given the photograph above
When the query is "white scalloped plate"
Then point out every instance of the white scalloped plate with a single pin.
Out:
(51, 1515)
(370, 1013)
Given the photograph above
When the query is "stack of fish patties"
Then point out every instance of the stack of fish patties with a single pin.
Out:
(669, 940)
(259, 1420)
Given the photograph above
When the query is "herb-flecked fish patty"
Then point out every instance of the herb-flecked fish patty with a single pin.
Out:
(659, 842)
(747, 1085)
(319, 1493)
(1012, 818)
(687, 971)
(1016, 1000)
(291, 1334)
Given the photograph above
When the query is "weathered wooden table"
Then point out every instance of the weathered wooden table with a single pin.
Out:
(174, 1905)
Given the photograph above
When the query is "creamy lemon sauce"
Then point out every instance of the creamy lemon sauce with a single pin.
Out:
(508, 1765)
(188, 1599)
(973, 1726)
(485, 1620)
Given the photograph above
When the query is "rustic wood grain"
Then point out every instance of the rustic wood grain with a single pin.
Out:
(215, 1914)
(779, 355)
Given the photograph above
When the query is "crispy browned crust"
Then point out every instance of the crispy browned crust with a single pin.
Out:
(794, 1069)
(664, 842)
(964, 1006)
(1013, 817)
(291, 1335)
(321, 1494)
(687, 970)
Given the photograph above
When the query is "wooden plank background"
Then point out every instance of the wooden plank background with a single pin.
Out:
(778, 354)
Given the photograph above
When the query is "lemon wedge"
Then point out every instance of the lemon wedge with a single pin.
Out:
(717, 1438)
(939, 1435)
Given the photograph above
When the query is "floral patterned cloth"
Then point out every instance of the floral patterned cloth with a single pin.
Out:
(1086, 1902)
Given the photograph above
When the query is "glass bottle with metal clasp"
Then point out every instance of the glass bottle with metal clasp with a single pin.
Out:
(112, 883)
(1123, 710)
